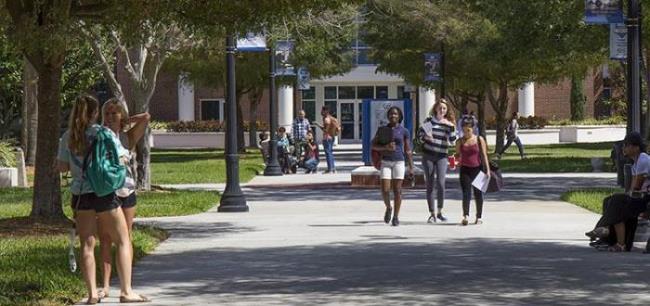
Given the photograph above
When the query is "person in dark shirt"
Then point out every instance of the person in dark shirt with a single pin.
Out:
(394, 156)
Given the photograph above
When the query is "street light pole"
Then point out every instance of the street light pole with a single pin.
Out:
(273, 166)
(633, 84)
(233, 199)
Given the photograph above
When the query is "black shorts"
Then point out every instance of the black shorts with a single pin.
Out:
(128, 201)
(90, 201)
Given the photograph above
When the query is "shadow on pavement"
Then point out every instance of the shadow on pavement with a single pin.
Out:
(452, 272)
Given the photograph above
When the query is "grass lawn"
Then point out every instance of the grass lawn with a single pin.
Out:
(556, 158)
(590, 199)
(200, 166)
(33, 257)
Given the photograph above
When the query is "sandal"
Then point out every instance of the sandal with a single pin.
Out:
(616, 248)
(93, 301)
(432, 219)
(140, 299)
(102, 294)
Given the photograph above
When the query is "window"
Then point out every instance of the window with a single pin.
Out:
(381, 92)
(347, 92)
(330, 92)
(401, 94)
(332, 106)
(309, 103)
(365, 92)
(212, 109)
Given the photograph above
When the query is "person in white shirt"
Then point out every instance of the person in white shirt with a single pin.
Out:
(621, 211)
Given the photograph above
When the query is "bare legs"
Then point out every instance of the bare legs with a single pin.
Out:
(106, 243)
(85, 223)
(396, 186)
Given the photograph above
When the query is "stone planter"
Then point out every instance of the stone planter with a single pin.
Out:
(591, 133)
(213, 140)
(8, 177)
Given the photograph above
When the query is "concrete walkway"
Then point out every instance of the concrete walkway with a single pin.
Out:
(312, 240)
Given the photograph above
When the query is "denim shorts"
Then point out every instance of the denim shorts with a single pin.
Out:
(128, 201)
(90, 201)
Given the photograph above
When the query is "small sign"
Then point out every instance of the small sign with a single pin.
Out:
(251, 43)
(617, 41)
(303, 78)
(283, 49)
(432, 63)
(603, 11)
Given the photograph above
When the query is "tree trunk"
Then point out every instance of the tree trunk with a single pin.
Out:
(500, 105)
(647, 82)
(30, 112)
(143, 160)
(480, 103)
(47, 182)
(255, 99)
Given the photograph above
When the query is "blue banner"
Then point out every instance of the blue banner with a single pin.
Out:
(432, 62)
(617, 41)
(251, 43)
(603, 11)
(283, 49)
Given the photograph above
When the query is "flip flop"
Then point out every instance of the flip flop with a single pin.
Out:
(141, 299)
(102, 294)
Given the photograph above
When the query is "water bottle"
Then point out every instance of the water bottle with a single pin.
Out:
(72, 261)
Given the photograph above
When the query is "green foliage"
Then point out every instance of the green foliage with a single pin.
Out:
(616, 120)
(578, 99)
(11, 87)
(590, 198)
(7, 156)
(203, 126)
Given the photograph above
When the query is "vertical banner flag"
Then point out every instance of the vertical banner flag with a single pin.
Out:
(603, 11)
(432, 63)
(617, 41)
(283, 49)
(303, 78)
(251, 43)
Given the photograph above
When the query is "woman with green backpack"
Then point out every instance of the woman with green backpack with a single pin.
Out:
(81, 149)
(127, 131)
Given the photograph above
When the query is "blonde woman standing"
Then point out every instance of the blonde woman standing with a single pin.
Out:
(127, 131)
(88, 207)
(436, 133)
(471, 150)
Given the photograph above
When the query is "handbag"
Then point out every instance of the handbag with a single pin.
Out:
(496, 178)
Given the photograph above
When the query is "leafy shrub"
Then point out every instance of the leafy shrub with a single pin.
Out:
(591, 121)
(7, 156)
(202, 126)
(158, 125)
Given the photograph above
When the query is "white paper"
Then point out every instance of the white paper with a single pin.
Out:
(481, 181)
(428, 128)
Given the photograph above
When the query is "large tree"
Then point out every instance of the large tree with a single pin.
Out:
(42, 30)
(491, 46)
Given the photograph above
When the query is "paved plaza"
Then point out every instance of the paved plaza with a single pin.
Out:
(314, 240)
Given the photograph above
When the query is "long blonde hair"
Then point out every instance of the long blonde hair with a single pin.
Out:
(84, 113)
(125, 114)
(450, 111)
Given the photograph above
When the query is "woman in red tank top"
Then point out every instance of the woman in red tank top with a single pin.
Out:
(471, 163)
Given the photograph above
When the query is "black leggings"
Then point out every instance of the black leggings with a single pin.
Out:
(467, 175)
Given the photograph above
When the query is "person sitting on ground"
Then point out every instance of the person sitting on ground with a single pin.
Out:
(621, 210)
(264, 146)
(311, 158)
(285, 149)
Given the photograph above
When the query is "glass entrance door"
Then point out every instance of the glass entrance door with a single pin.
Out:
(350, 119)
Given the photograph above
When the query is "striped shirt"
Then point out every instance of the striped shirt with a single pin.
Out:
(443, 135)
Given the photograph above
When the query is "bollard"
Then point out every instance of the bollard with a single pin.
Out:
(20, 164)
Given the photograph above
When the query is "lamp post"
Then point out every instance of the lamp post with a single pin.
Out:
(633, 84)
(233, 199)
(273, 166)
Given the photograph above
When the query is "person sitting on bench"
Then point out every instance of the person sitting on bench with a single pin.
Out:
(621, 210)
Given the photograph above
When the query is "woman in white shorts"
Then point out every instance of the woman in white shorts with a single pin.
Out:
(395, 155)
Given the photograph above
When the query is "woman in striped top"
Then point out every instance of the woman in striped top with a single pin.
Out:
(437, 132)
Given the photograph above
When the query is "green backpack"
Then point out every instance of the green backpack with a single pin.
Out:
(101, 166)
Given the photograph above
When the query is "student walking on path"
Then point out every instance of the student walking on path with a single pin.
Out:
(127, 132)
(471, 150)
(436, 133)
(331, 129)
(393, 168)
(88, 207)
(512, 136)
